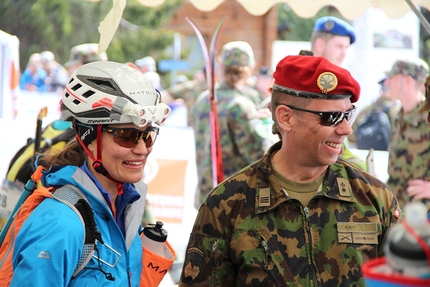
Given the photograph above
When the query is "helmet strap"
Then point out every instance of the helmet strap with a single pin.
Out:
(97, 163)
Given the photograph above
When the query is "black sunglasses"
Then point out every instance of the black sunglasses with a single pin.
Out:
(130, 137)
(331, 119)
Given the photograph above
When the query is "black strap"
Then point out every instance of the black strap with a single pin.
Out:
(91, 231)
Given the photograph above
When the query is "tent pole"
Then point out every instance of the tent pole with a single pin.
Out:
(420, 16)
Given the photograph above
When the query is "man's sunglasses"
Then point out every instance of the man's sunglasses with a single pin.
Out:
(130, 137)
(331, 119)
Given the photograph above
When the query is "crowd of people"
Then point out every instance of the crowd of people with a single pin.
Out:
(295, 206)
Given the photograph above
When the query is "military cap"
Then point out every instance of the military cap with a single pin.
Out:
(335, 26)
(84, 54)
(314, 77)
(237, 53)
(416, 68)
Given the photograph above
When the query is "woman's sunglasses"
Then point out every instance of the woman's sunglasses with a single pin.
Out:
(130, 137)
(331, 119)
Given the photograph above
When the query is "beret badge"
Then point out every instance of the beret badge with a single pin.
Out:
(329, 25)
(327, 82)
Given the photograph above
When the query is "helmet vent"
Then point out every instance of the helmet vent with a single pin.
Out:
(103, 84)
(76, 87)
(76, 102)
(88, 94)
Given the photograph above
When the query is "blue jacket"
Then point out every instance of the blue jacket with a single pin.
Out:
(49, 244)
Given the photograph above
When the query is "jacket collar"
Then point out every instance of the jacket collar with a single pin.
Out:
(269, 193)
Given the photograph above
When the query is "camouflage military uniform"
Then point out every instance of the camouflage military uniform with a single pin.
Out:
(250, 233)
(240, 142)
(189, 92)
(381, 104)
(409, 155)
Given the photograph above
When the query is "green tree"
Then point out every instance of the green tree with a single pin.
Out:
(58, 25)
(294, 28)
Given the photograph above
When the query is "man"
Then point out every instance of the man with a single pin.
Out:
(330, 39)
(384, 110)
(241, 144)
(409, 153)
(57, 75)
(299, 216)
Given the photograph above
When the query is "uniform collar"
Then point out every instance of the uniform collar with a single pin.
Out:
(269, 193)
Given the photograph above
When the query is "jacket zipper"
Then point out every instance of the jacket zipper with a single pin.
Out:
(214, 280)
(312, 266)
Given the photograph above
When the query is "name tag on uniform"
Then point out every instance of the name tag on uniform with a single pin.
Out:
(357, 232)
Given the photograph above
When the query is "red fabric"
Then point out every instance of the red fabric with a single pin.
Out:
(301, 73)
(372, 271)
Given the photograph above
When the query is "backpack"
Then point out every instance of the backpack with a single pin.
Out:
(374, 131)
(67, 194)
(54, 135)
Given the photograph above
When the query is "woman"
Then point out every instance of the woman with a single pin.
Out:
(112, 108)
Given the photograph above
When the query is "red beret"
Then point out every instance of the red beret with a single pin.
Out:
(314, 77)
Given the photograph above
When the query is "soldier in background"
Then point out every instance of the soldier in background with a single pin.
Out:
(409, 153)
(331, 38)
(299, 216)
(383, 103)
(238, 117)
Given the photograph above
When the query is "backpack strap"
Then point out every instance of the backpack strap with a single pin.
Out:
(77, 201)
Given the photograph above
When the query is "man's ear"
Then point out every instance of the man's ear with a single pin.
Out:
(319, 46)
(284, 117)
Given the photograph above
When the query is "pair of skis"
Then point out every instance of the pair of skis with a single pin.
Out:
(209, 56)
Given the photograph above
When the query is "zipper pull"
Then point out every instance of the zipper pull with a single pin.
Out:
(267, 253)
(213, 253)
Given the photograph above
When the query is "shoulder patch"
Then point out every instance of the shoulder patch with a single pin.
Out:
(193, 264)
(344, 187)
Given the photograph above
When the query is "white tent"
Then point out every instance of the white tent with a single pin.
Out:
(350, 9)
(9, 74)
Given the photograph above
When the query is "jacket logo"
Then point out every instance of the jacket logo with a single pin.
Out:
(44, 254)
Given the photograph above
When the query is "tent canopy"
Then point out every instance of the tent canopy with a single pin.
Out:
(350, 9)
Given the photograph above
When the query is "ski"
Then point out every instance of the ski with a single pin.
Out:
(209, 56)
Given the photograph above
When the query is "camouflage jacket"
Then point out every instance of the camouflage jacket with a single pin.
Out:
(241, 141)
(248, 232)
(409, 154)
(382, 104)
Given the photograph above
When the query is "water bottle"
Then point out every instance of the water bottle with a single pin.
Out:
(154, 238)
(403, 252)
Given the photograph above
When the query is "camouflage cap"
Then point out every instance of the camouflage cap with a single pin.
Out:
(237, 53)
(416, 68)
(85, 53)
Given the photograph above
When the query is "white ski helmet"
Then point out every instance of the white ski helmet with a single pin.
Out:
(105, 92)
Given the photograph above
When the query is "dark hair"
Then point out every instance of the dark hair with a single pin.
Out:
(72, 154)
